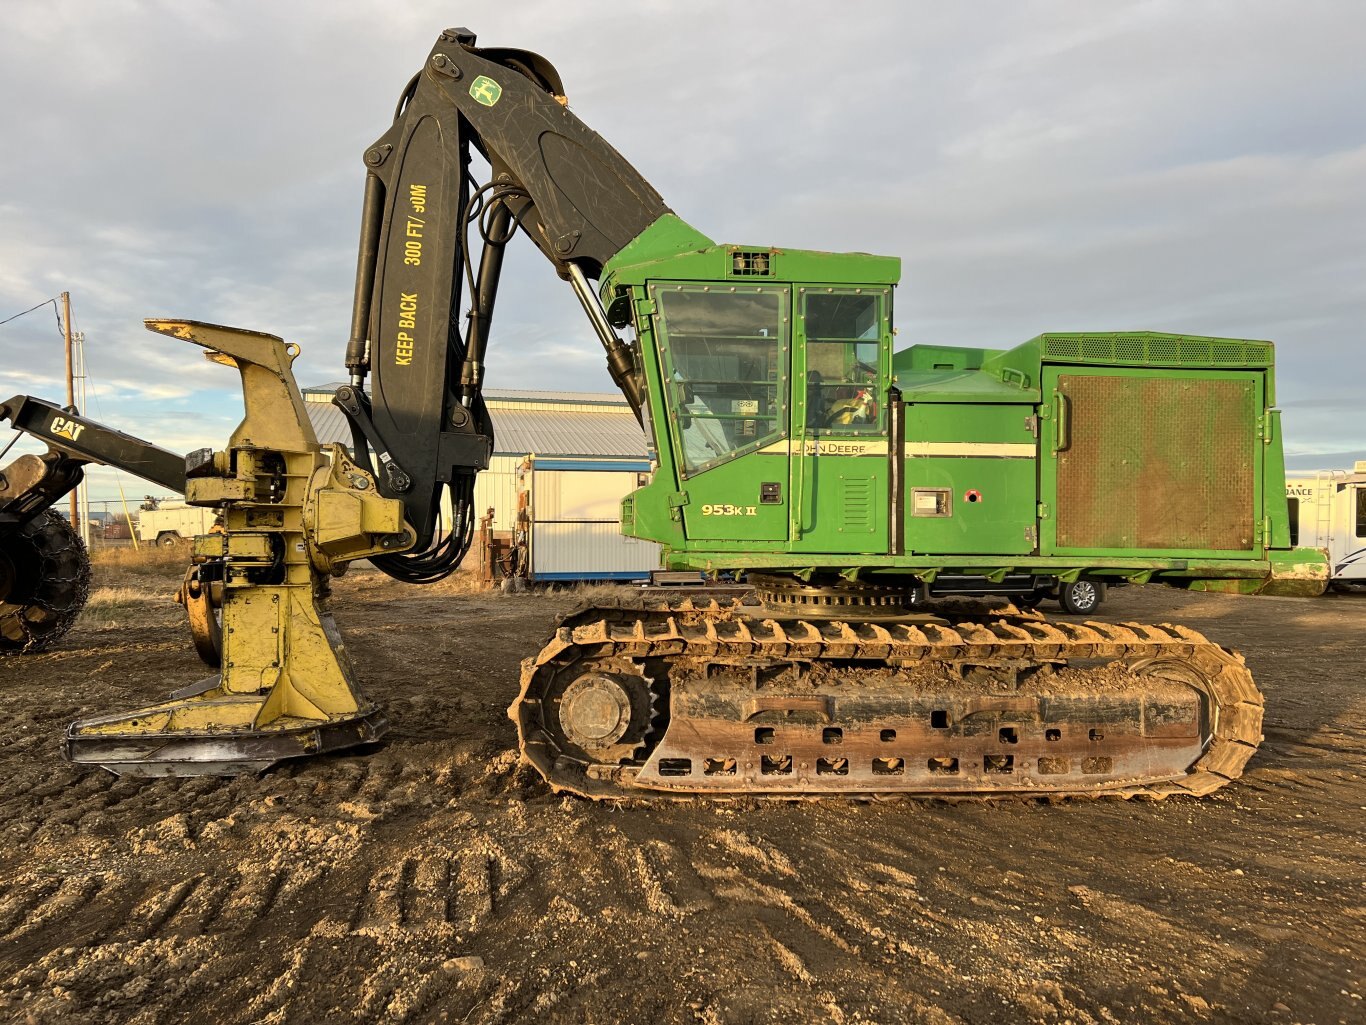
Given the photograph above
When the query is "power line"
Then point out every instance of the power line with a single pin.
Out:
(45, 302)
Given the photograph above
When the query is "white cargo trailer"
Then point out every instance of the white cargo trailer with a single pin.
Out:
(572, 521)
(1328, 510)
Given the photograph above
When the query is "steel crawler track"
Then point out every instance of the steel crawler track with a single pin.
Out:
(687, 699)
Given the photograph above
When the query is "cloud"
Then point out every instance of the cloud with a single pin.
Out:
(1037, 165)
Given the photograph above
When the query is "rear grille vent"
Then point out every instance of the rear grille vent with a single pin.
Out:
(751, 265)
(1129, 349)
(1158, 463)
(1165, 352)
(1155, 350)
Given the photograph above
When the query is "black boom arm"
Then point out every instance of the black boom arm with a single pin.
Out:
(422, 415)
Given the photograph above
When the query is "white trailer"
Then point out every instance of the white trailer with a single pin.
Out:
(1328, 511)
(572, 519)
(167, 522)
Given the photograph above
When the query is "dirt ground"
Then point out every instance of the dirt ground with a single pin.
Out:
(432, 880)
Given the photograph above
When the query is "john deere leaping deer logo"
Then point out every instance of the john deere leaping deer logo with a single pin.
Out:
(64, 428)
(485, 90)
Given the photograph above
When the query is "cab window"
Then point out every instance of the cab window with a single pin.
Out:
(725, 359)
(843, 360)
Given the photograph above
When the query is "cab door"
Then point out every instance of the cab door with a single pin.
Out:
(725, 356)
(840, 462)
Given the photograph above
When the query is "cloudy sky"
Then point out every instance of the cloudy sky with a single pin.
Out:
(1059, 165)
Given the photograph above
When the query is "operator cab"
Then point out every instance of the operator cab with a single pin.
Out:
(740, 377)
(757, 362)
(724, 356)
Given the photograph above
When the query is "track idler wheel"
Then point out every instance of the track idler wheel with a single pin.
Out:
(604, 714)
(44, 583)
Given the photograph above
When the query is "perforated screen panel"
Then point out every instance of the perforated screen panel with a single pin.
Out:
(1157, 463)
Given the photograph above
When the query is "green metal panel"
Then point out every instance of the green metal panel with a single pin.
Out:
(670, 249)
(845, 503)
(988, 424)
(1022, 365)
(724, 502)
(647, 513)
(936, 359)
(665, 238)
(984, 457)
(1152, 349)
(990, 508)
(1146, 461)
(1277, 511)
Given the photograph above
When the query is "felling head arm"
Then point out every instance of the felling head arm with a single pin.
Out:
(291, 512)
(276, 417)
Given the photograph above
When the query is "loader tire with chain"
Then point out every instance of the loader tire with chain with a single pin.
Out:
(44, 583)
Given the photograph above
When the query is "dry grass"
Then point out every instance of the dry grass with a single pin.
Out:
(462, 581)
(123, 606)
(468, 582)
(594, 592)
(151, 572)
(154, 569)
(147, 560)
(364, 578)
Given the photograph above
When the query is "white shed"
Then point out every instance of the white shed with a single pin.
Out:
(573, 529)
(587, 451)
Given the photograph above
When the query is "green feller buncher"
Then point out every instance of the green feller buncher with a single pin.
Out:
(791, 444)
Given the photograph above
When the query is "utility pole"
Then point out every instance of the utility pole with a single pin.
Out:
(70, 393)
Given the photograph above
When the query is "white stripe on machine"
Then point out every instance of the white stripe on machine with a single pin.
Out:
(981, 449)
(913, 450)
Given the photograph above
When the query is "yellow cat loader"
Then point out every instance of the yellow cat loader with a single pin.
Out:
(791, 443)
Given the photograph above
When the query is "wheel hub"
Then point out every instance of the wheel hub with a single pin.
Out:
(595, 712)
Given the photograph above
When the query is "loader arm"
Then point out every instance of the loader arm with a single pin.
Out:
(44, 568)
(416, 366)
(32, 484)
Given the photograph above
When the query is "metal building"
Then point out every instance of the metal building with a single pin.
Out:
(574, 454)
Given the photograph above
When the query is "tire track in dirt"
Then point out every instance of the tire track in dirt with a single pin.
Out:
(431, 880)
(22, 898)
(48, 901)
